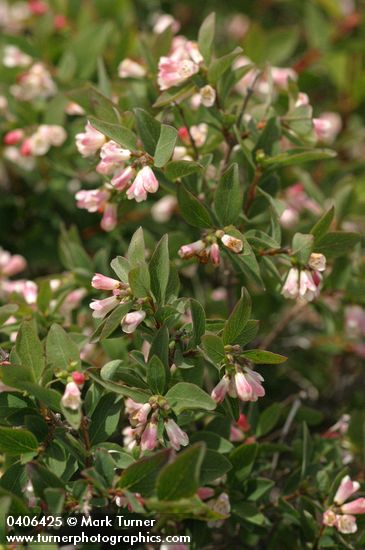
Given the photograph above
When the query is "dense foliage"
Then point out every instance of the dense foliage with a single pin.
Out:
(182, 273)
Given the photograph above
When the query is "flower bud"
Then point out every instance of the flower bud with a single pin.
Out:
(149, 437)
(102, 282)
(219, 392)
(109, 219)
(215, 255)
(78, 377)
(129, 68)
(356, 506)
(317, 261)
(189, 250)
(13, 137)
(208, 96)
(103, 307)
(131, 321)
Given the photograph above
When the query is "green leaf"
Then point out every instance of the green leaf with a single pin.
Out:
(243, 459)
(177, 169)
(105, 418)
(42, 479)
(141, 476)
(214, 466)
(121, 268)
(268, 419)
(192, 210)
(269, 137)
(212, 440)
(138, 395)
(73, 416)
(108, 325)
(7, 311)
(159, 268)
(238, 319)
(248, 333)
(219, 66)
(302, 247)
(214, 348)
(185, 396)
(156, 375)
(61, 350)
(160, 346)
(95, 103)
(296, 156)
(29, 350)
(322, 226)
(206, 37)
(149, 130)
(198, 317)
(136, 251)
(181, 479)
(165, 145)
(139, 281)
(337, 243)
(118, 133)
(228, 197)
(55, 499)
(14, 441)
(263, 357)
(175, 95)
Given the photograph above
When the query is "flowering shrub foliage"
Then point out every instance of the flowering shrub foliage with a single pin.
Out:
(182, 361)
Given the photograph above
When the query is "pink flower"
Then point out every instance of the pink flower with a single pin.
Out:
(145, 182)
(93, 200)
(345, 490)
(112, 156)
(131, 69)
(329, 518)
(14, 136)
(163, 209)
(301, 284)
(141, 415)
(110, 218)
(103, 307)
(36, 83)
(131, 321)
(346, 524)
(302, 100)
(45, 136)
(149, 437)
(172, 72)
(121, 179)
(10, 265)
(176, 435)
(327, 126)
(205, 492)
(355, 320)
(102, 282)
(90, 141)
(14, 57)
(215, 255)
(289, 218)
(317, 261)
(163, 22)
(189, 250)
(281, 76)
(356, 506)
(199, 134)
(220, 390)
(71, 398)
(248, 385)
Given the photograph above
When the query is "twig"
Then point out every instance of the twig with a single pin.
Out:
(286, 428)
(281, 325)
(185, 122)
(251, 194)
(250, 92)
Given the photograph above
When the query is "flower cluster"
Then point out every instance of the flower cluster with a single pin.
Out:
(208, 248)
(144, 420)
(305, 283)
(342, 514)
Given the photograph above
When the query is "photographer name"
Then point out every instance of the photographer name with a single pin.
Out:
(119, 521)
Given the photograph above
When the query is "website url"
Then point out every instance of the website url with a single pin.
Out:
(83, 538)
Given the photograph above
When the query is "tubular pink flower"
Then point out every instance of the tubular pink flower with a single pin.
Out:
(103, 307)
(102, 282)
(281, 76)
(354, 507)
(121, 179)
(93, 200)
(189, 250)
(145, 182)
(205, 492)
(215, 255)
(112, 156)
(129, 68)
(172, 72)
(248, 385)
(149, 437)
(163, 209)
(13, 137)
(90, 141)
(141, 415)
(176, 435)
(345, 490)
(131, 321)
(110, 218)
(220, 390)
(71, 398)
(10, 265)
